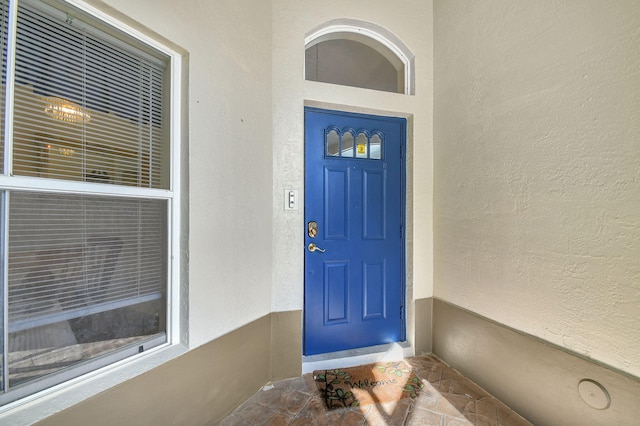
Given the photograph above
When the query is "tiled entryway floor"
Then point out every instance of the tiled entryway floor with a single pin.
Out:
(447, 399)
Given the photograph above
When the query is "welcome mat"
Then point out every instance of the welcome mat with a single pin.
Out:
(367, 384)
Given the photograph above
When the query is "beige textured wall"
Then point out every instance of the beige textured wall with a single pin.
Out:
(537, 169)
(230, 154)
(408, 20)
(245, 99)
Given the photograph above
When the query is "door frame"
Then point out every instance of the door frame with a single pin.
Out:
(406, 236)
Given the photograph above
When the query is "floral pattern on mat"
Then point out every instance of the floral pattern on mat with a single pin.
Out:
(381, 382)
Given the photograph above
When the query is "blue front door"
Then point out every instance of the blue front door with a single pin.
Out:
(354, 236)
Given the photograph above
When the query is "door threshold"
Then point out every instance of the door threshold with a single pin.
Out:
(354, 357)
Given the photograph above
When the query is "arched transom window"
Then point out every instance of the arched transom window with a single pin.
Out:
(359, 54)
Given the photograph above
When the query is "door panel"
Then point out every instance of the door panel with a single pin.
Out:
(354, 190)
(336, 203)
(336, 292)
(373, 217)
(374, 291)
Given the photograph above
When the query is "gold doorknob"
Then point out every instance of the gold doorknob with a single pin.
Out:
(313, 247)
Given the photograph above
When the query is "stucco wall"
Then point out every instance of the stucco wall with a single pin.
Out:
(246, 99)
(537, 169)
(411, 22)
(230, 167)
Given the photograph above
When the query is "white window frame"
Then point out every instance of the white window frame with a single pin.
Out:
(372, 35)
(95, 381)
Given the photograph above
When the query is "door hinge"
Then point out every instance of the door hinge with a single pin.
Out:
(401, 310)
(401, 231)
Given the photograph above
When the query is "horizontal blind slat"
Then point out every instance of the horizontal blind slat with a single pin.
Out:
(81, 251)
(116, 135)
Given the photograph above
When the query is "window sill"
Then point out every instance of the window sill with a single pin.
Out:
(46, 403)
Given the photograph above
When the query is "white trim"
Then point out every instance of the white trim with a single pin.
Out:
(4, 241)
(351, 358)
(175, 117)
(37, 184)
(368, 30)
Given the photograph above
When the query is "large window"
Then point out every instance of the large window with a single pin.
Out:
(85, 195)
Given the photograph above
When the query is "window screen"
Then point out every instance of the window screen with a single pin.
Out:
(85, 196)
(83, 262)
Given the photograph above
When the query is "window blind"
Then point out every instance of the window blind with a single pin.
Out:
(86, 109)
(73, 256)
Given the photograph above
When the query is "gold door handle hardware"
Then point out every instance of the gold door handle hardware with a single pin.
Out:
(312, 229)
(312, 247)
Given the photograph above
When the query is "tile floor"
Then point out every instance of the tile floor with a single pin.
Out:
(448, 399)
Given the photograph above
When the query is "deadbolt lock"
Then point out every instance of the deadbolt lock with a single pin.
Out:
(312, 229)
